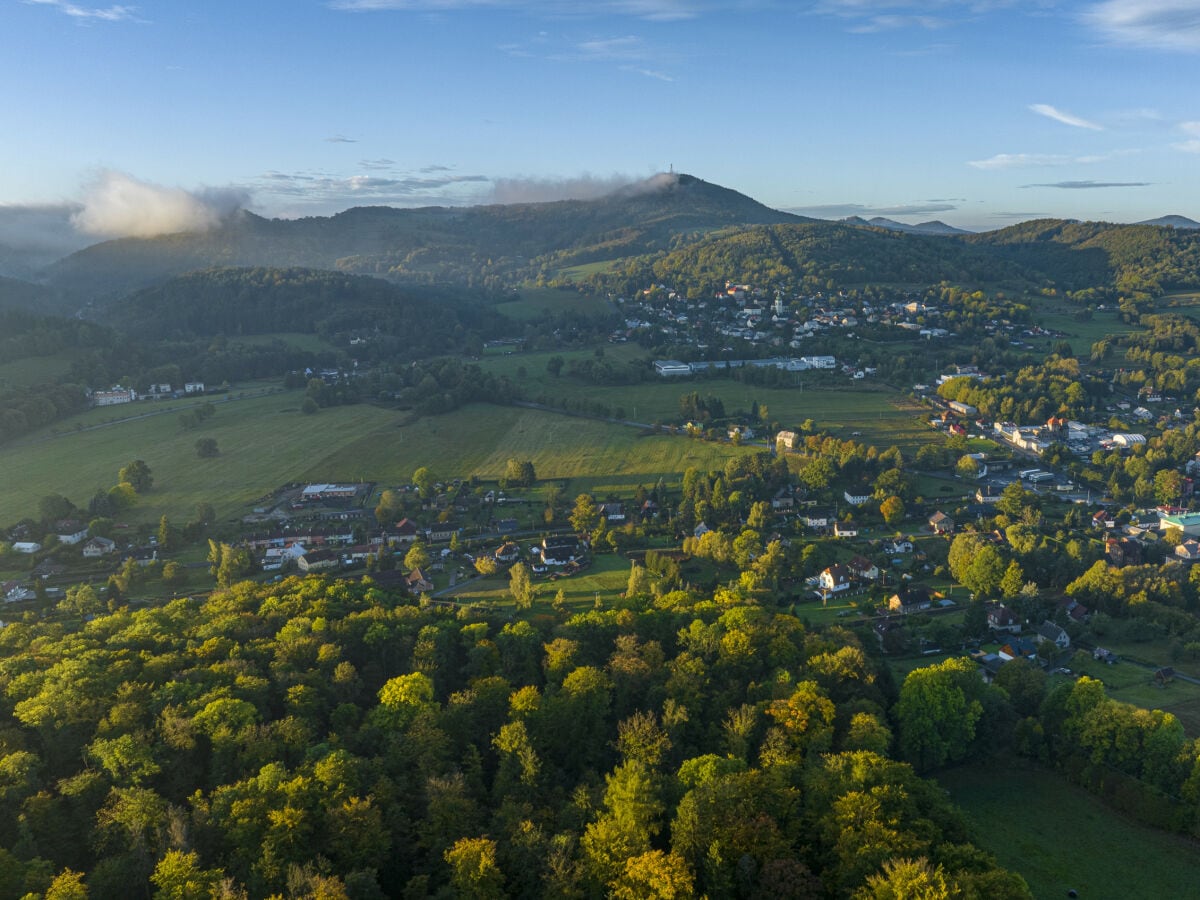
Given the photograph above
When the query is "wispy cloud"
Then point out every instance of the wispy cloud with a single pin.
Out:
(376, 165)
(844, 210)
(653, 10)
(1086, 185)
(1033, 160)
(1058, 115)
(331, 192)
(1192, 145)
(90, 13)
(619, 48)
(340, 139)
(879, 23)
(581, 187)
(1158, 24)
(649, 73)
(1021, 160)
(629, 52)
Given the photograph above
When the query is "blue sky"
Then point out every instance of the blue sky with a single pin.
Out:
(977, 113)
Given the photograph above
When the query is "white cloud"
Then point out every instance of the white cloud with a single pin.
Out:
(306, 192)
(654, 10)
(86, 13)
(1021, 160)
(1058, 115)
(894, 22)
(581, 187)
(1158, 24)
(1087, 185)
(116, 204)
(1192, 129)
(844, 210)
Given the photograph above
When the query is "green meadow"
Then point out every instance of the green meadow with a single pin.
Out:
(882, 416)
(265, 441)
(1060, 838)
(35, 370)
(533, 303)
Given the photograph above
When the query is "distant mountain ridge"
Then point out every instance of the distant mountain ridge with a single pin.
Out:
(467, 244)
(1172, 222)
(934, 227)
(670, 223)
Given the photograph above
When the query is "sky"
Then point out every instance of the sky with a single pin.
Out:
(156, 116)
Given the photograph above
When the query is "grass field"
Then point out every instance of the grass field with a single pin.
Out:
(1059, 837)
(265, 441)
(35, 370)
(606, 577)
(300, 340)
(537, 302)
(1081, 335)
(882, 416)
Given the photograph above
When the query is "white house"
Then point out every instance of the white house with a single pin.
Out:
(845, 529)
(834, 579)
(856, 499)
(98, 546)
(71, 531)
(1048, 631)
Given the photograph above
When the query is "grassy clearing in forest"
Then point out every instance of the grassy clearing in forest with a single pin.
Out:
(1059, 837)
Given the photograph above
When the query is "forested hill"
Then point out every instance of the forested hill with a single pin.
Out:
(18, 294)
(236, 301)
(673, 226)
(1081, 255)
(484, 245)
(815, 257)
(1071, 256)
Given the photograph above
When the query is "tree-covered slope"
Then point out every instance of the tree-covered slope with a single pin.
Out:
(235, 301)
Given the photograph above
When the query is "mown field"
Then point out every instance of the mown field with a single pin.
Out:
(1061, 838)
(881, 415)
(265, 442)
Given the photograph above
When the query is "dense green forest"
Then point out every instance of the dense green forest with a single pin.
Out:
(234, 302)
(317, 738)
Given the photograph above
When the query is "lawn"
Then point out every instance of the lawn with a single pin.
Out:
(606, 577)
(1059, 837)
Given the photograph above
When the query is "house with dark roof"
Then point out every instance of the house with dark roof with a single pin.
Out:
(1001, 618)
(319, 560)
(561, 549)
(834, 579)
(862, 568)
(71, 531)
(845, 529)
(1048, 631)
(940, 523)
(911, 599)
(1017, 648)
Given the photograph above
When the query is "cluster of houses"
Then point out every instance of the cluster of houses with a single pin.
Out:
(117, 394)
(762, 317)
